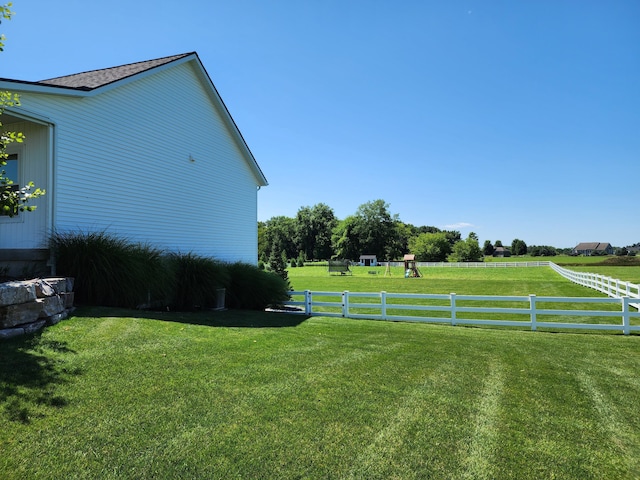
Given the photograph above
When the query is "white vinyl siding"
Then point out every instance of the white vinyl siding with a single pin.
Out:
(28, 229)
(153, 161)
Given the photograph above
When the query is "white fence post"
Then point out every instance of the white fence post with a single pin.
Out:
(345, 303)
(532, 307)
(625, 315)
(307, 302)
(383, 303)
(453, 309)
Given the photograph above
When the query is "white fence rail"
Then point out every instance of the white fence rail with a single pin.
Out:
(523, 311)
(609, 286)
(472, 264)
(623, 303)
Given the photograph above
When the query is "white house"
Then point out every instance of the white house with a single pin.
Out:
(147, 151)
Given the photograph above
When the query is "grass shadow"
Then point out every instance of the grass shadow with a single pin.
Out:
(223, 318)
(29, 376)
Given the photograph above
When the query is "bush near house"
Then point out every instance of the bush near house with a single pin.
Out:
(113, 271)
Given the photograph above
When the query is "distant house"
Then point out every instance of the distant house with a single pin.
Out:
(501, 252)
(368, 260)
(587, 248)
(147, 151)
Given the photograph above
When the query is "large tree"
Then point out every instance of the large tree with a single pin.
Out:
(488, 248)
(345, 241)
(376, 229)
(430, 247)
(278, 238)
(518, 247)
(314, 227)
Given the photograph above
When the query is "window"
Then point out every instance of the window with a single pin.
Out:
(11, 171)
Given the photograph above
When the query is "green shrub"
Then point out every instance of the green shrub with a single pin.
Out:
(250, 288)
(108, 270)
(293, 263)
(194, 281)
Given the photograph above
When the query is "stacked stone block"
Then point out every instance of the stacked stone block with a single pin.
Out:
(27, 306)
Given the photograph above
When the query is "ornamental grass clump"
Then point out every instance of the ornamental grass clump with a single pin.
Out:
(253, 289)
(109, 270)
(195, 281)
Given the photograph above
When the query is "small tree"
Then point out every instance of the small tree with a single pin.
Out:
(278, 265)
(13, 199)
(488, 248)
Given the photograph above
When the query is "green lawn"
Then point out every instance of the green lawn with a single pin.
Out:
(124, 394)
(109, 395)
(541, 281)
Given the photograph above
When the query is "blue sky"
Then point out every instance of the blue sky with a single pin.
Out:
(511, 119)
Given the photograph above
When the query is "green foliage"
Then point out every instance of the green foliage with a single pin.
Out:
(250, 288)
(313, 227)
(488, 248)
(5, 14)
(430, 247)
(542, 251)
(13, 199)
(108, 270)
(292, 263)
(278, 265)
(375, 227)
(518, 247)
(112, 271)
(194, 281)
(467, 250)
(346, 243)
(278, 237)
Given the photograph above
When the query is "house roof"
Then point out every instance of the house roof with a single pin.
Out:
(94, 82)
(592, 246)
(98, 78)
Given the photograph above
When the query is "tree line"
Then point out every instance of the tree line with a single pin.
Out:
(315, 233)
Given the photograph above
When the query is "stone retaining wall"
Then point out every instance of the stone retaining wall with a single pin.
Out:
(27, 306)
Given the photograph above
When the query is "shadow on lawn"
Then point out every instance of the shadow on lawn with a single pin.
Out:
(224, 318)
(29, 375)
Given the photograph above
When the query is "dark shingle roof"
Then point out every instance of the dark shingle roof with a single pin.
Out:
(591, 246)
(98, 78)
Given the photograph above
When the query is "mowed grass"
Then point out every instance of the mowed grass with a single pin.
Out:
(542, 281)
(126, 394)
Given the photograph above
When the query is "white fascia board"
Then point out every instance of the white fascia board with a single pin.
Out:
(32, 87)
(29, 115)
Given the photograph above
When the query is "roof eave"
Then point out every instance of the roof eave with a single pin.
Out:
(36, 87)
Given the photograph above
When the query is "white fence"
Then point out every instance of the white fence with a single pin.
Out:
(471, 264)
(609, 286)
(530, 311)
